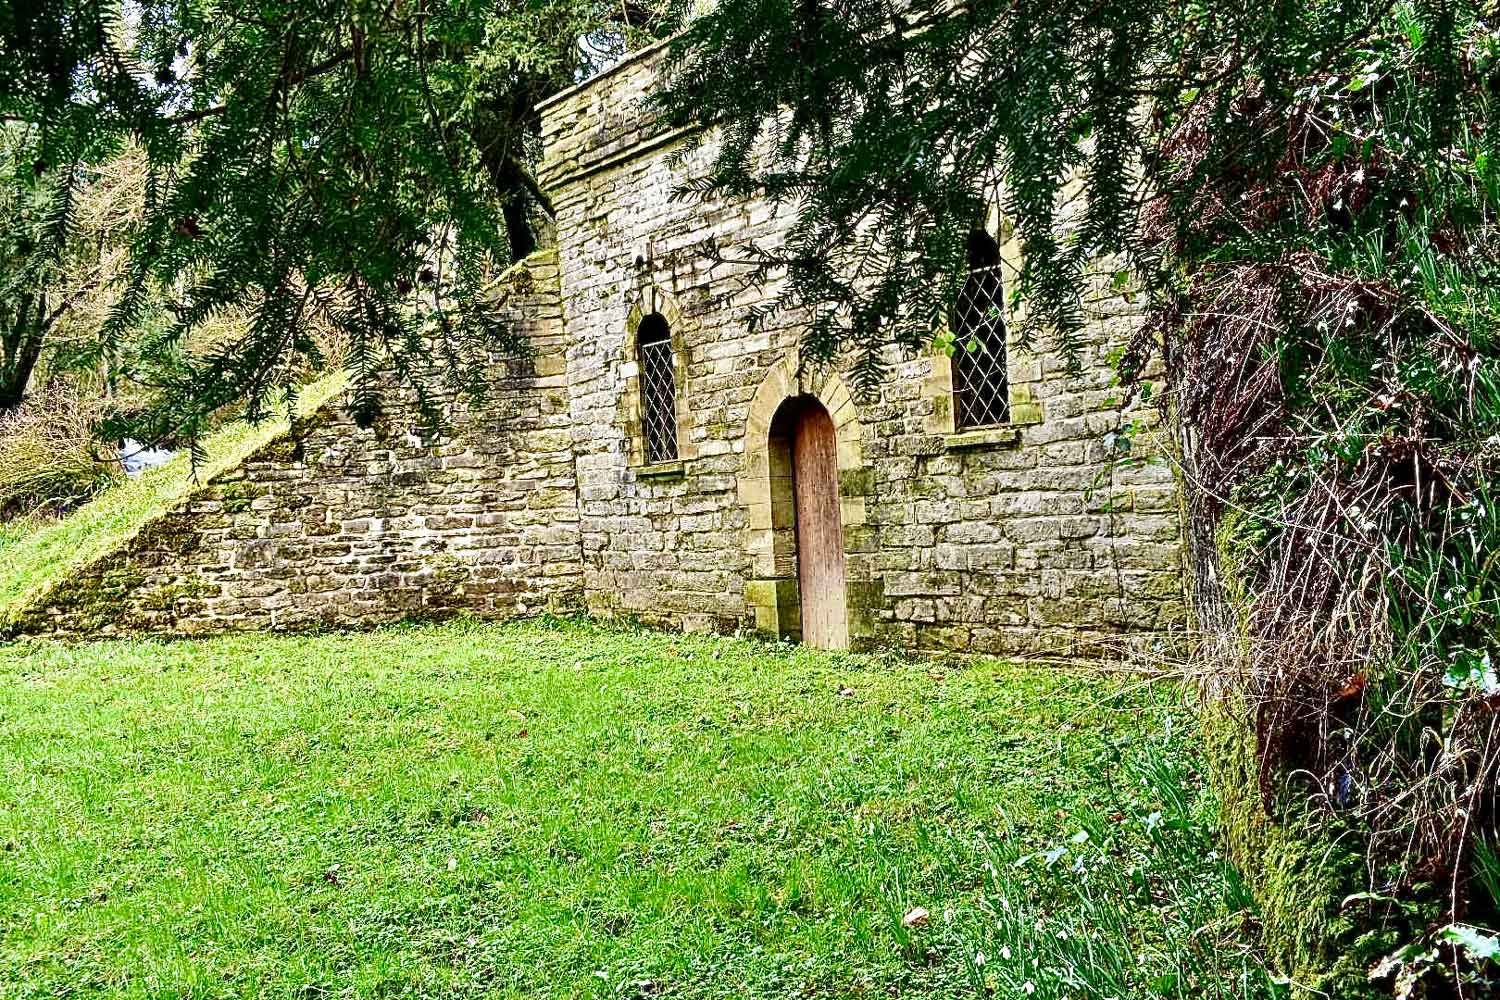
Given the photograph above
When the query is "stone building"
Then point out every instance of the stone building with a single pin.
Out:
(654, 458)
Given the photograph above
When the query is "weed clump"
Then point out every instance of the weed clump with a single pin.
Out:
(1330, 340)
(1131, 898)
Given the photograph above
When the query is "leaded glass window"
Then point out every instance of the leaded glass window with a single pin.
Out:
(981, 388)
(658, 388)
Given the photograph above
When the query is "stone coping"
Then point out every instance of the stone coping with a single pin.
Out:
(639, 55)
(557, 177)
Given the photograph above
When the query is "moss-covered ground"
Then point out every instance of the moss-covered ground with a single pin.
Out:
(558, 809)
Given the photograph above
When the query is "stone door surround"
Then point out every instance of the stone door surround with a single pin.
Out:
(765, 490)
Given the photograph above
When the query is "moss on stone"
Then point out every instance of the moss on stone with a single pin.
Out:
(857, 482)
(866, 600)
(1297, 866)
(1236, 536)
(237, 496)
(860, 538)
(1300, 866)
(166, 596)
(447, 578)
(866, 595)
(174, 533)
(92, 600)
(287, 450)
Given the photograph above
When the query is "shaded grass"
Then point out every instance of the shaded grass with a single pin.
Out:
(37, 553)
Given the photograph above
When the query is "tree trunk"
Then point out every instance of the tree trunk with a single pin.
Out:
(20, 348)
(15, 375)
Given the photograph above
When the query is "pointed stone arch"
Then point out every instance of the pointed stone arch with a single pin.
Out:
(765, 489)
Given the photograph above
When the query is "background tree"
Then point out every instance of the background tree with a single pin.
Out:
(55, 300)
(362, 164)
(32, 256)
(1306, 196)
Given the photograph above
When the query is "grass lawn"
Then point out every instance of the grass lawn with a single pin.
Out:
(557, 809)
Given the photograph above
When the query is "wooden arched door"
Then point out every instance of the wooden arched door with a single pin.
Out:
(820, 530)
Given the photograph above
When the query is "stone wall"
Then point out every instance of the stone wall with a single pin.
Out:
(335, 525)
(1023, 538)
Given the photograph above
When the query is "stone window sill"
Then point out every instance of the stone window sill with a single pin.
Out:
(662, 470)
(1003, 436)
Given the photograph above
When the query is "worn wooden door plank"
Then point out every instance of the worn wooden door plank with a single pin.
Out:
(820, 533)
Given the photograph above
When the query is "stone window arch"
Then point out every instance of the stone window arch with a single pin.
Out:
(658, 386)
(654, 400)
(982, 387)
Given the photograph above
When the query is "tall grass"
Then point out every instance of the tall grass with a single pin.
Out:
(1129, 898)
(49, 459)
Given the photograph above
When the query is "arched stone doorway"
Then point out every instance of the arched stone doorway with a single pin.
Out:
(804, 450)
(792, 404)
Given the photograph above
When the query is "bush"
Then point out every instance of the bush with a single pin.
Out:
(49, 459)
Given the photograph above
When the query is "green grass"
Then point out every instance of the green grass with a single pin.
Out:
(555, 809)
(35, 554)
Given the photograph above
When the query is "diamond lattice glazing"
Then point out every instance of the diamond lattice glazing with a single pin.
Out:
(658, 401)
(980, 384)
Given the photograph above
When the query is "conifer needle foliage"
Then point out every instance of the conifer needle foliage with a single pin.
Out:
(367, 164)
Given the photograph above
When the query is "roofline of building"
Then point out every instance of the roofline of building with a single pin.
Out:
(630, 60)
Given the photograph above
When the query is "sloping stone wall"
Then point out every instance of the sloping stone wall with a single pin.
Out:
(336, 525)
(1026, 538)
